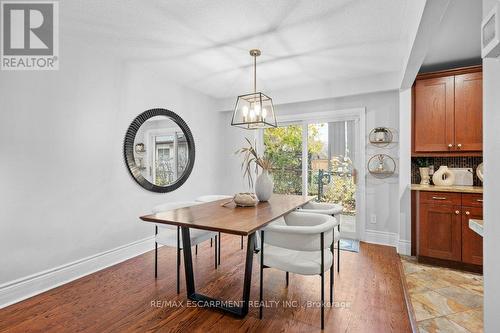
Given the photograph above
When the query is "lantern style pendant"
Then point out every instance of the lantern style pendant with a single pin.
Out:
(255, 110)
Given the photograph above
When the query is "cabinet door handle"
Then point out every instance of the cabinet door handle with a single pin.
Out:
(467, 213)
(450, 145)
(459, 146)
(479, 200)
(439, 198)
(457, 212)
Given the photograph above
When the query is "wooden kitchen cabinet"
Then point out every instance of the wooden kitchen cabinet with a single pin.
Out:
(468, 112)
(472, 243)
(443, 232)
(434, 113)
(447, 113)
(440, 231)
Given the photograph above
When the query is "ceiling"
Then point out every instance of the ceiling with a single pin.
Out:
(204, 44)
(458, 40)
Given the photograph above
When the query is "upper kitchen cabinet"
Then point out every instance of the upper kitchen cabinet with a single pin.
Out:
(469, 112)
(447, 113)
(434, 114)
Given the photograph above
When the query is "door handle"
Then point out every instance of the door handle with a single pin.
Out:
(439, 198)
(467, 213)
(457, 212)
(459, 146)
(450, 145)
(479, 200)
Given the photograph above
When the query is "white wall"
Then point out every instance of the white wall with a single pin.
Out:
(65, 193)
(382, 197)
(405, 101)
(491, 137)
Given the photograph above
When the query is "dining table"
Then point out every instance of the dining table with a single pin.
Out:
(226, 217)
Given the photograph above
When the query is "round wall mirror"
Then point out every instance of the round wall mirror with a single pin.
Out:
(159, 150)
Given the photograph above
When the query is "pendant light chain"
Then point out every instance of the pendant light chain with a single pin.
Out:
(254, 73)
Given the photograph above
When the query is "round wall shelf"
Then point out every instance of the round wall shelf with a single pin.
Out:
(380, 136)
(381, 166)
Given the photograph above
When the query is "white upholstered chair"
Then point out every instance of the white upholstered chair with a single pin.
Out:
(215, 197)
(170, 235)
(326, 208)
(301, 243)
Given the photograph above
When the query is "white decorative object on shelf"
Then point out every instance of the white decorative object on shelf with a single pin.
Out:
(479, 172)
(380, 136)
(264, 186)
(425, 178)
(443, 176)
(381, 166)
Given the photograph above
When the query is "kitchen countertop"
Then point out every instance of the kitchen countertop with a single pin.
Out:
(477, 226)
(452, 188)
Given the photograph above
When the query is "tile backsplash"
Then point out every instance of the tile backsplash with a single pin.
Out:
(452, 162)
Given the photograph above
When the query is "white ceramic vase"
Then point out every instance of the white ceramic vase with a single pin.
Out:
(264, 186)
(424, 176)
(443, 176)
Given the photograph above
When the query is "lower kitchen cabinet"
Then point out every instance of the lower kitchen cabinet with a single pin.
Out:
(443, 231)
(472, 243)
(440, 231)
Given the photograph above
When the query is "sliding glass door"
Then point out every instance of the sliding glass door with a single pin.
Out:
(283, 146)
(317, 158)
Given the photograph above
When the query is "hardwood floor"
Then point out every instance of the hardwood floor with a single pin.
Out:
(127, 298)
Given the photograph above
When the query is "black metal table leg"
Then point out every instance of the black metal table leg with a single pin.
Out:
(332, 276)
(215, 251)
(178, 260)
(322, 281)
(156, 253)
(239, 311)
(261, 286)
(218, 250)
(338, 252)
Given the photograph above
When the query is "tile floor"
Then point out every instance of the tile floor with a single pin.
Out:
(444, 300)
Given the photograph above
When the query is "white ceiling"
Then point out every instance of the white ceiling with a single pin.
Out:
(204, 44)
(458, 41)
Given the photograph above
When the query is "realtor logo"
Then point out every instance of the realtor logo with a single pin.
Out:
(30, 35)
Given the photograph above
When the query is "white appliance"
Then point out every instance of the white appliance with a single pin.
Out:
(463, 176)
(490, 34)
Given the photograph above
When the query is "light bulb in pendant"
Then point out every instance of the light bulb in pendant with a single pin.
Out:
(264, 113)
(257, 109)
(245, 111)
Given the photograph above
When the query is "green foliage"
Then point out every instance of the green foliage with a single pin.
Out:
(422, 162)
(342, 190)
(284, 152)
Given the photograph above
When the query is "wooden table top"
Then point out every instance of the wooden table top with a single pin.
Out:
(230, 219)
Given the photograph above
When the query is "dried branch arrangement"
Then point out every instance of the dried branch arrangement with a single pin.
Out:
(251, 157)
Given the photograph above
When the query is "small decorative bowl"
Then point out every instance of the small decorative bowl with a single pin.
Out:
(245, 199)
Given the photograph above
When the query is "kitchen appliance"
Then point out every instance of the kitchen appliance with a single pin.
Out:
(463, 176)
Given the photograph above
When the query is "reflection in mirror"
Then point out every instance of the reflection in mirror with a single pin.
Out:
(161, 151)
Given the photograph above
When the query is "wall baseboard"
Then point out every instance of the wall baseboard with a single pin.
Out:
(389, 239)
(404, 247)
(381, 237)
(23, 288)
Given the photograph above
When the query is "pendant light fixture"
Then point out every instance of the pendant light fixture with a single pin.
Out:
(255, 110)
